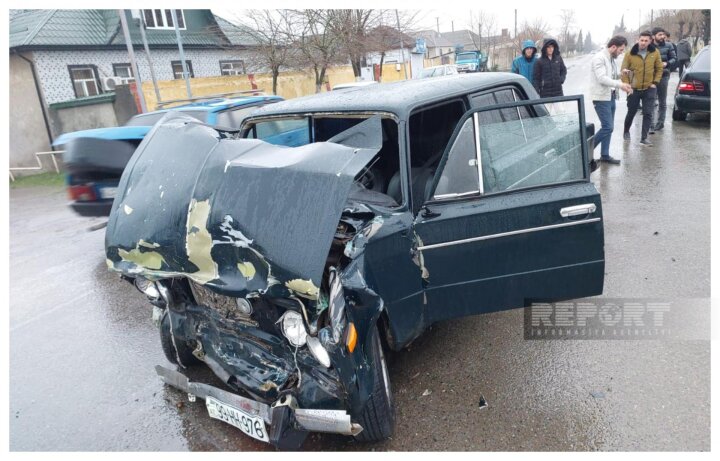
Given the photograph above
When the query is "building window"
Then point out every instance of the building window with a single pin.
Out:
(85, 80)
(124, 71)
(162, 19)
(178, 70)
(232, 68)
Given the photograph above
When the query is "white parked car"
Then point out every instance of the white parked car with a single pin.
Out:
(439, 71)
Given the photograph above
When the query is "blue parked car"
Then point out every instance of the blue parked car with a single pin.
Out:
(95, 159)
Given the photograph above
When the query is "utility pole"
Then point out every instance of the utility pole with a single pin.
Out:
(515, 23)
(402, 45)
(186, 74)
(651, 18)
(133, 64)
(437, 20)
(147, 55)
(452, 25)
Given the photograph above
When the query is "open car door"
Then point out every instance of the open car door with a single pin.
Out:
(512, 217)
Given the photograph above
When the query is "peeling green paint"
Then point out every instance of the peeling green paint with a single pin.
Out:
(199, 242)
(247, 269)
(148, 259)
(304, 288)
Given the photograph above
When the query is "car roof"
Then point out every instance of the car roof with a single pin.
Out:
(220, 104)
(398, 97)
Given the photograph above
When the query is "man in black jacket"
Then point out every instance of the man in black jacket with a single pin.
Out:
(550, 71)
(667, 53)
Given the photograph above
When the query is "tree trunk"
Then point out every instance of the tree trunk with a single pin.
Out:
(319, 78)
(356, 66)
(382, 59)
(275, 73)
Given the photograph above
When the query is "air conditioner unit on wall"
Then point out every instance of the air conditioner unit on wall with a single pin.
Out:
(109, 83)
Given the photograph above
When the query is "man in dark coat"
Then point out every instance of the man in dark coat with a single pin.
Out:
(550, 71)
(668, 56)
(684, 51)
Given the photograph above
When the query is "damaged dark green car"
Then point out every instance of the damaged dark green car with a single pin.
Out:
(288, 255)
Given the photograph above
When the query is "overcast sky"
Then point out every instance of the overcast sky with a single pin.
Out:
(599, 20)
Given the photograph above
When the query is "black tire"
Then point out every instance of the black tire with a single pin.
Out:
(378, 416)
(678, 115)
(183, 351)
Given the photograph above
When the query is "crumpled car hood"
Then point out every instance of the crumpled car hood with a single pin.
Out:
(237, 216)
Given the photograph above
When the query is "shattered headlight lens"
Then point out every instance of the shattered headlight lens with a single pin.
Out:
(293, 328)
(147, 287)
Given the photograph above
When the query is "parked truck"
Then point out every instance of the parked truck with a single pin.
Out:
(471, 61)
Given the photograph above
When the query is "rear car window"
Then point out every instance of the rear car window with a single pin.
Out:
(702, 62)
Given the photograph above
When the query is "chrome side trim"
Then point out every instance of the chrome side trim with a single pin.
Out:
(478, 154)
(507, 234)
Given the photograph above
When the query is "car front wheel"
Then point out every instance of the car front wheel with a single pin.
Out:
(183, 350)
(378, 417)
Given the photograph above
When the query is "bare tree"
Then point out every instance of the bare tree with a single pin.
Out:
(351, 28)
(319, 47)
(391, 33)
(272, 30)
(567, 36)
(534, 30)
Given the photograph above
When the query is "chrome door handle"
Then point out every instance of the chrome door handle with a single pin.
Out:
(577, 210)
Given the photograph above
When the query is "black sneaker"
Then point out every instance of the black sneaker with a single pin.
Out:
(610, 159)
(646, 143)
(626, 136)
(659, 126)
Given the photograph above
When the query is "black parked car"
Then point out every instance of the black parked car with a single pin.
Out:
(693, 91)
(287, 256)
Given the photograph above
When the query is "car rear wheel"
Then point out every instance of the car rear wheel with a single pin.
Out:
(678, 115)
(183, 350)
(378, 417)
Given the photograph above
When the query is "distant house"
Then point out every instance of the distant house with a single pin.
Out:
(62, 58)
(438, 49)
(398, 48)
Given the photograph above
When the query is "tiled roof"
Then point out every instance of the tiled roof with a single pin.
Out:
(432, 38)
(469, 39)
(53, 28)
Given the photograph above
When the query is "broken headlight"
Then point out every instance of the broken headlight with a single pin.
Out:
(293, 328)
(148, 288)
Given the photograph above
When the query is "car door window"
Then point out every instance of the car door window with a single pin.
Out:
(460, 173)
(531, 148)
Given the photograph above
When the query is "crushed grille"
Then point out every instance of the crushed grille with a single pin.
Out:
(225, 305)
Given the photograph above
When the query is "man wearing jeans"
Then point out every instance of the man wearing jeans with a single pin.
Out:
(642, 67)
(605, 83)
(669, 59)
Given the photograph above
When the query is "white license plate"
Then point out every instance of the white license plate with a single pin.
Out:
(108, 192)
(254, 426)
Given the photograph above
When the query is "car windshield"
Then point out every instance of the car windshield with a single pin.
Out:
(153, 117)
(464, 56)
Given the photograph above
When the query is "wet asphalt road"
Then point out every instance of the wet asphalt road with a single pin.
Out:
(83, 347)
